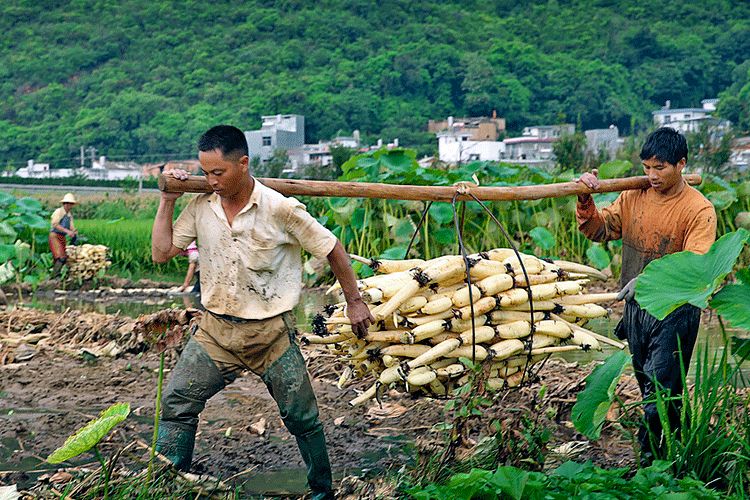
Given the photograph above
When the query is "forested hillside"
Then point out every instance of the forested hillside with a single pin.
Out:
(135, 78)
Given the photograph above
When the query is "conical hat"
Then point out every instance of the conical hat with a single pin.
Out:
(69, 198)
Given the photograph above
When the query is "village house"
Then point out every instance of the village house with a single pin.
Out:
(689, 119)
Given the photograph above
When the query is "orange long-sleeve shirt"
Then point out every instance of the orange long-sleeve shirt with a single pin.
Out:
(651, 225)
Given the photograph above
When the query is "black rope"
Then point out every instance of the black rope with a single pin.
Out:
(462, 248)
(525, 274)
(416, 232)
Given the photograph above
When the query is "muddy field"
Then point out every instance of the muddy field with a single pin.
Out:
(50, 388)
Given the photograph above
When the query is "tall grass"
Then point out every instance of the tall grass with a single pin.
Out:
(713, 443)
(129, 241)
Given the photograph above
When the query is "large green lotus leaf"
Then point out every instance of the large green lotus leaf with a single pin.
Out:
(393, 253)
(722, 200)
(593, 402)
(6, 199)
(741, 347)
(29, 205)
(614, 168)
(88, 436)
(7, 252)
(743, 190)
(543, 238)
(442, 213)
(733, 303)
(598, 256)
(7, 232)
(444, 235)
(33, 221)
(688, 278)
(358, 218)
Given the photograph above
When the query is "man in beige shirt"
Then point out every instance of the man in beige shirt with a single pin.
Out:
(249, 239)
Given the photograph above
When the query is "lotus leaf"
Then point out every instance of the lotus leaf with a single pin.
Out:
(88, 436)
(444, 235)
(395, 253)
(593, 402)
(686, 277)
(733, 303)
(543, 238)
(7, 232)
(33, 221)
(722, 200)
(442, 213)
(28, 205)
(614, 168)
(741, 347)
(598, 256)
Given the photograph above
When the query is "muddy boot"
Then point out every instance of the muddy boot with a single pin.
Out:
(289, 385)
(194, 380)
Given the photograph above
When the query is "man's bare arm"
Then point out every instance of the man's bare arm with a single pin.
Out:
(356, 310)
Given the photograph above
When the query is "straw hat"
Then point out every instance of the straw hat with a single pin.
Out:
(69, 198)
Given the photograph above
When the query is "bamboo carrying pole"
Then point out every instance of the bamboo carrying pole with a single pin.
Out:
(297, 187)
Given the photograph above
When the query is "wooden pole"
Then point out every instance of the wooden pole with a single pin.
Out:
(297, 187)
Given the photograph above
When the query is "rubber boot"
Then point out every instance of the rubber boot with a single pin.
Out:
(289, 385)
(57, 267)
(194, 380)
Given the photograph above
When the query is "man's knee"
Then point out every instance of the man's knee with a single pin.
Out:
(194, 380)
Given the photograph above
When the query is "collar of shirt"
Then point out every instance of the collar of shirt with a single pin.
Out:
(214, 200)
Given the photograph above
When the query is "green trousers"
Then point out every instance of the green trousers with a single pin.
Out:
(196, 378)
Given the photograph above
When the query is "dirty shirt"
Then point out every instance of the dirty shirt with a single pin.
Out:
(253, 268)
(651, 225)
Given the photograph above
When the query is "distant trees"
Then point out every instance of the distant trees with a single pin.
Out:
(163, 72)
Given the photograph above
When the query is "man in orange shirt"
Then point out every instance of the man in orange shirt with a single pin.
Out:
(667, 217)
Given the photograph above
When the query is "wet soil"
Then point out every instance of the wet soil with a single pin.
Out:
(48, 397)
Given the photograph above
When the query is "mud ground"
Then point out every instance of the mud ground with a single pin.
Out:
(47, 398)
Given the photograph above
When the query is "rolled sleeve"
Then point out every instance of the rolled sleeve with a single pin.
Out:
(311, 234)
(184, 231)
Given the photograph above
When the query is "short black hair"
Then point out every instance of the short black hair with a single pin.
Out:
(665, 144)
(228, 139)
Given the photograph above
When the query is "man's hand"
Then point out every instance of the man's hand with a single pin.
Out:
(628, 291)
(178, 174)
(591, 180)
(359, 314)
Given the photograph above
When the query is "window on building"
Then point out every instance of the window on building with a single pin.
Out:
(667, 119)
(266, 140)
(474, 157)
(464, 138)
(687, 115)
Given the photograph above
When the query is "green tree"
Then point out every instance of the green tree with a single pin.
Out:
(569, 151)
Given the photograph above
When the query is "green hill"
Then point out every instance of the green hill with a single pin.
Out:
(143, 78)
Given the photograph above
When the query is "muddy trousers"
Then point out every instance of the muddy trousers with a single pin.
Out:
(656, 347)
(196, 378)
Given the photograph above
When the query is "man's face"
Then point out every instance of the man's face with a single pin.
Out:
(226, 176)
(663, 176)
(68, 206)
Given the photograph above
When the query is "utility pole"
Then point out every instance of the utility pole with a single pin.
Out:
(82, 157)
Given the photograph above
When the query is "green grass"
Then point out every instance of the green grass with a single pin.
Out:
(129, 241)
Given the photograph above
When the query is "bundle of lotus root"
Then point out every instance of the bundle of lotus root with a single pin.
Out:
(427, 317)
(87, 261)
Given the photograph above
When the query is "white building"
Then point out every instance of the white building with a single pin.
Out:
(457, 146)
(606, 139)
(283, 132)
(42, 171)
(689, 119)
(549, 131)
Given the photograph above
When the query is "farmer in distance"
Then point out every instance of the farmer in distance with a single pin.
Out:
(249, 238)
(670, 216)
